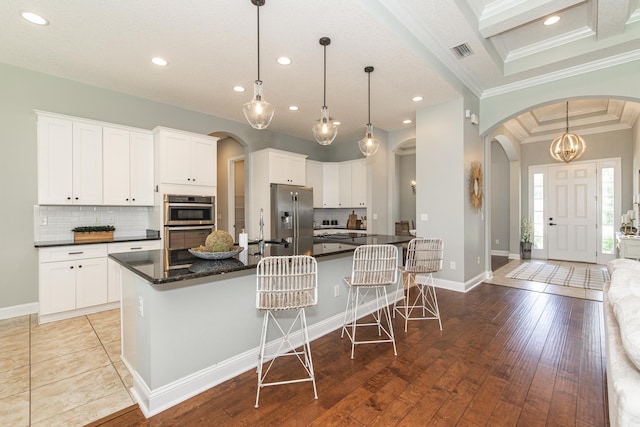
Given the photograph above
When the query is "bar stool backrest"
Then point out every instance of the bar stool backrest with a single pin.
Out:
(374, 265)
(286, 282)
(424, 255)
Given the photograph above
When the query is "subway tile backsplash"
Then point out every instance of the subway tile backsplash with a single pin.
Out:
(129, 221)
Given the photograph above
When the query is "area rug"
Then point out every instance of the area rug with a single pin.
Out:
(579, 277)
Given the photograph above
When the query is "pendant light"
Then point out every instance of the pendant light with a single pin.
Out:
(568, 146)
(369, 144)
(325, 131)
(258, 112)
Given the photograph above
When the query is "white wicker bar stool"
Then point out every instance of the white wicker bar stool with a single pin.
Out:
(424, 257)
(286, 283)
(374, 267)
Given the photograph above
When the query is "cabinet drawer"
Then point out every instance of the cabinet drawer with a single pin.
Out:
(70, 253)
(116, 248)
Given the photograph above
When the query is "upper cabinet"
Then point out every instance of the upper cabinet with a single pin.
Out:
(287, 168)
(69, 161)
(314, 179)
(128, 167)
(344, 184)
(185, 157)
(359, 183)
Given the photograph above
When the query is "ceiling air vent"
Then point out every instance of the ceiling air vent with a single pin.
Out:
(462, 50)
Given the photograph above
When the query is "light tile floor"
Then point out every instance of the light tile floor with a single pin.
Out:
(63, 373)
(500, 279)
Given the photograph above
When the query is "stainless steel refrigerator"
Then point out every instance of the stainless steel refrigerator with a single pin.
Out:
(291, 212)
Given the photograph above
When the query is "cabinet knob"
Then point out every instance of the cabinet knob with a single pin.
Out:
(76, 198)
(80, 266)
(127, 199)
(71, 267)
(68, 198)
(133, 200)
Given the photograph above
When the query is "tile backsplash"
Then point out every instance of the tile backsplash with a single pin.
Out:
(54, 223)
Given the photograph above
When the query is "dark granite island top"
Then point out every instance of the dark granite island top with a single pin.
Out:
(150, 265)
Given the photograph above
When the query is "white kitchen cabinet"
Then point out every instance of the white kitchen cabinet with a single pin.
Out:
(186, 158)
(287, 168)
(331, 185)
(128, 167)
(359, 183)
(69, 161)
(315, 180)
(71, 278)
(344, 189)
(113, 273)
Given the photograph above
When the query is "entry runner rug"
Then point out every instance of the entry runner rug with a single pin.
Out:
(579, 277)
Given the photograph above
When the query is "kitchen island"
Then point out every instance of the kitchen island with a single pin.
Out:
(187, 330)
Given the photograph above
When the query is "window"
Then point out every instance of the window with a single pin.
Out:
(538, 211)
(607, 219)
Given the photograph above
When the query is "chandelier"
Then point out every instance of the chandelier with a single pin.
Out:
(568, 146)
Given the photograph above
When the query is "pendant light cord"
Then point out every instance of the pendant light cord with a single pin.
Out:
(567, 117)
(258, 20)
(369, 96)
(324, 99)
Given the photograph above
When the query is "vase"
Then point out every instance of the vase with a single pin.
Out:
(525, 250)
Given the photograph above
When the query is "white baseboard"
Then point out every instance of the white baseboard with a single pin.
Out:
(514, 256)
(19, 310)
(500, 253)
(46, 318)
(152, 402)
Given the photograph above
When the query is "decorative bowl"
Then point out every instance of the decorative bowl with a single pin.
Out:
(216, 255)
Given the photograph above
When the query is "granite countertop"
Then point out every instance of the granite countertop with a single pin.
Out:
(150, 265)
(70, 242)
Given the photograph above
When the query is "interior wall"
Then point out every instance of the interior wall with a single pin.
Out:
(500, 199)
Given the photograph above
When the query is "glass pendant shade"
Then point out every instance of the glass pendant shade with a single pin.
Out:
(325, 131)
(257, 111)
(369, 144)
(568, 146)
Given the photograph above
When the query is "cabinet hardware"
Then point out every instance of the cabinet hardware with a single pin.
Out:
(76, 253)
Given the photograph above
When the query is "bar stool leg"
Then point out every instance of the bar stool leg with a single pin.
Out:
(263, 340)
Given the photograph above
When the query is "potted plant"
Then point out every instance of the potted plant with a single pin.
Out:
(526, 233)
(96, 233)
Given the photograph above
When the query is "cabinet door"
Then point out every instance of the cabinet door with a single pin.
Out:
(141, 169)
(297, 170)
(314, 179)
(203, 161)
(359, 183)
(344, 191)
(174, 158)
(91, 282)
(57, 287)
(115, 160)
(55, 161)
(87, 164)
(330, 185)
(279, 168)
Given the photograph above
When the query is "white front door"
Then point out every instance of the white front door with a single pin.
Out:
(572, 211)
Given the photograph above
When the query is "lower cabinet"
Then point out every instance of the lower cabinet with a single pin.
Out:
(72, 277)
(76, 280)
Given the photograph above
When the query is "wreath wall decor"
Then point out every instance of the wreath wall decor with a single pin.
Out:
(475, 186)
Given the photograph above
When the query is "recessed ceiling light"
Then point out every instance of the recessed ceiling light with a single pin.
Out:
(417, 98)
(238, 88)
(160, 61)
(34, 19)
(283, 60)
(551, 20)
(337, 122)
(406, 122)
(293, 107)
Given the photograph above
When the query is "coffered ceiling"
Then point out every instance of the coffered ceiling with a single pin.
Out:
(211, 47)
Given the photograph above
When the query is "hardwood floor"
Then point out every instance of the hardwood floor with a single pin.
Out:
(505, 357)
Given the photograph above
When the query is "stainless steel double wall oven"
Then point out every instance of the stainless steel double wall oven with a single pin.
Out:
(188, 220)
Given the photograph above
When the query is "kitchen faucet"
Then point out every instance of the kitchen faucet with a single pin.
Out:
(261, 238)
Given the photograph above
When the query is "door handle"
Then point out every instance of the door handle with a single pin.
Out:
(551, 223)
